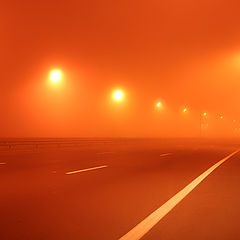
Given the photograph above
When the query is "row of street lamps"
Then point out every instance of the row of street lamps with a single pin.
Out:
(56, 75)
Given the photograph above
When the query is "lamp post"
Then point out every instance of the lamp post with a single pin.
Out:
(203, 123)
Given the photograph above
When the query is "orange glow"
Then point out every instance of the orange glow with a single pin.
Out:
(105, 71)
(55, 76)
(118, 95)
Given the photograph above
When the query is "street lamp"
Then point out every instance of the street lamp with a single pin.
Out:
(55, 76)
(159, 104)
(203, 123)
(118, 95)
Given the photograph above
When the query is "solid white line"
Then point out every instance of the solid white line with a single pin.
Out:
(165, 154)
(145, 226)
(85, 170)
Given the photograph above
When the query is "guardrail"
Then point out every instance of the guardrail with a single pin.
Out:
(57, 142)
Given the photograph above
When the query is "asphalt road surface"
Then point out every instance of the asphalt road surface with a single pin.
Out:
(103, 189)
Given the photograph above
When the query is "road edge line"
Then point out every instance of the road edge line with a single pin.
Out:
(149, 222)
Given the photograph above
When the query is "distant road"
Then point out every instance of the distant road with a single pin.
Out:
(124, 189)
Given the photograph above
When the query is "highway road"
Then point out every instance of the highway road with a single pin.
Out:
(124, 189)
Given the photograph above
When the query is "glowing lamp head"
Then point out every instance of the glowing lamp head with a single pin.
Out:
(204, 114)
(159, 104)
(185, 110)
(118, 95)
(55, 76)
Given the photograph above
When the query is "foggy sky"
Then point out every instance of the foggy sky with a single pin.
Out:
(183, 53)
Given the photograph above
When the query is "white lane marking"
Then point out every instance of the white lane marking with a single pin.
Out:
(105, 152)
(149, 222)
(2, 163)
(165, 154)
(87, 169)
